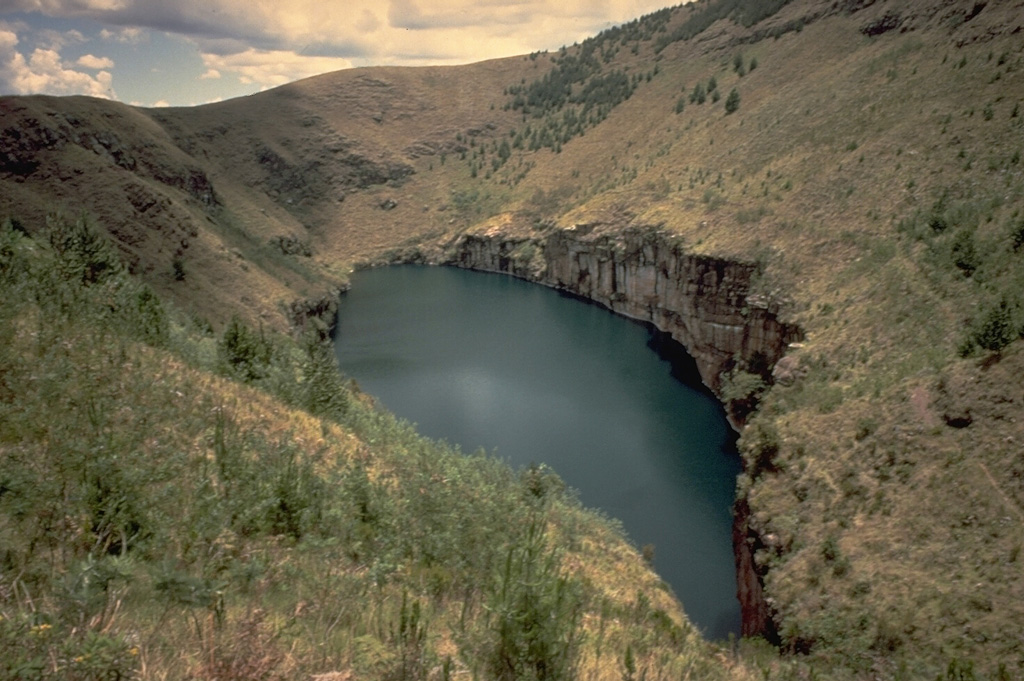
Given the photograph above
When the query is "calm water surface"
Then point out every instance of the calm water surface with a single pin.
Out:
(535, 376)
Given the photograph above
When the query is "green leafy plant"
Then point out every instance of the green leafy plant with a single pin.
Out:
(34, 649)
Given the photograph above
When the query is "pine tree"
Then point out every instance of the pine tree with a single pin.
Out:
(732, 102)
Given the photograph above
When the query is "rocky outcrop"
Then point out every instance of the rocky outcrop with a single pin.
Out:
(319, 313)
(756, 613)
(707, 304)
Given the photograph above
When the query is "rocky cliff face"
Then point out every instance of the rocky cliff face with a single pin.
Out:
(707, 304)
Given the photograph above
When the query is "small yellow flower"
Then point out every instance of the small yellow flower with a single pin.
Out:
(79, 659)
(134, 651)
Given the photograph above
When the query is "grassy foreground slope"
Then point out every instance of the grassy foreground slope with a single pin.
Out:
(870, 161)
(173, 506)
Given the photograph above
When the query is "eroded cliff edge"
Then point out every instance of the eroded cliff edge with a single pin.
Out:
(710, 305)
(707, 304)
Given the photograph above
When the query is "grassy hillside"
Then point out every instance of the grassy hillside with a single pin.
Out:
(869, 161)
(175, 505)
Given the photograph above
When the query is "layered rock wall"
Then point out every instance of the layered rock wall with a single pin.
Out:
(704, 303)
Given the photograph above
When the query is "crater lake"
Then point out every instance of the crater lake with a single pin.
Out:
(533, 375)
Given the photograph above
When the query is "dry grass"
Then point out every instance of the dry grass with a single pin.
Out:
(838, 138)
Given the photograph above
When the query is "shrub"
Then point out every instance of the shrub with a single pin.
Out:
(938, 223)
(993, 332)
(738, 65)
(248, 651)
(323, 387)
(13, 267)
(536, 611)
(833, 556)
(830, 549)
(865, 427)
(1017, 235)
(741, 391)
(83, 255)
(698, 96)
(410, 638)
(732, 102)
(144, 316)
(33, 648)
(244, 352)
(760, 445)
(963, 253)
(296, 494)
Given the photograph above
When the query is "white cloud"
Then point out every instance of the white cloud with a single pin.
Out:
(90, 61)
(79, 6)
(270, 42)
(56, 40)
(130, 35)
(268, 68)
(367, 22)
(43, 72)
(365, 30)
(8, 41)
(161, 103)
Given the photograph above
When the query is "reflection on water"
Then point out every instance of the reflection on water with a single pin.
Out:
(535, 376)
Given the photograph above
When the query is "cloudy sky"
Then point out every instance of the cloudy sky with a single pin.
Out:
(185, 52)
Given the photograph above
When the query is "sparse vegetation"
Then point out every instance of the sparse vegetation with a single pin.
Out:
(744, 12)
(886, 194)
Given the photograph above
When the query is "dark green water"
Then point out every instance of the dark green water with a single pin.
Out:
(535, 376)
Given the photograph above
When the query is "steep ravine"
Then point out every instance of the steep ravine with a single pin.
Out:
(705, 303)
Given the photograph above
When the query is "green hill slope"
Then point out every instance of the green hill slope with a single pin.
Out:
(864, 158)
(177, 506)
